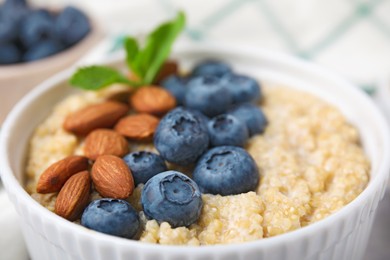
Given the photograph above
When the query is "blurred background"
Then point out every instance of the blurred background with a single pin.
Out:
(352, 37)
(349, 37)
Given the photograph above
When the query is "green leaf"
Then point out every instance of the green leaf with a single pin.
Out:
(97, 77)
(159, 44)
(147, 62)
(132, 51)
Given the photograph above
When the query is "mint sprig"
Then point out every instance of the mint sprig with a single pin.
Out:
(144, 62)
(97, 77)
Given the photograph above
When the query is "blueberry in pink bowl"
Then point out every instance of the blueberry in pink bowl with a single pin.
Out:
(43, 49)
(71, 26)
(37, 26)
(11, 13)
(38, 33)
(9, 53)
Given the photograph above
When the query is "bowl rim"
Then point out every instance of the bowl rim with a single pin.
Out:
(384, 94)
(17, 192)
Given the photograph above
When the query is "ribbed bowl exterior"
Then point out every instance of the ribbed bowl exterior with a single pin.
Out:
(342, 235)
(346, 239)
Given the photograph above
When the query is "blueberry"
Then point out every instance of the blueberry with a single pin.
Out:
(8, 29)
(197, 114)
(15, 9)
(181, 136)
(36, 27)
(72, 25)
(172, 197)
(15, 4)
(211, 67)
(226, 129)
(208, 95)
(200, 116)
(111, 216)
(42, 50)
(176, 85)
(226, 170)
(9, 53)
(144, 165)
(11, 13)
(243, 88)
(252, 116)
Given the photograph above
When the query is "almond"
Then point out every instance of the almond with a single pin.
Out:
(133, 77)
(152, 100)
(170, 67)
(74, 196)
(55, 176)
(103, 115)
(112, 177)
(105, 141)
(120, 96)
(139, 127)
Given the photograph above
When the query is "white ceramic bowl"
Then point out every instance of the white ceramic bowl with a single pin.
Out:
(342, 235)
(383, 95)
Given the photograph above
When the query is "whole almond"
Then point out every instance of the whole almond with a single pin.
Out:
(103, 115)
(152, 100)
(55, 176)
(74, 196)
(120, 96)
(133, 77)
(105, 141)
(139, 127)
(170, 67)
(112, 177)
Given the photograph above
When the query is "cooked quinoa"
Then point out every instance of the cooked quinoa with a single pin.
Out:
(310, 159)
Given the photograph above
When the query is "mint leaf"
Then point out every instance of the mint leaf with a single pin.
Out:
(97, 77)
(147, 62)
(132, 51)
(158, 46)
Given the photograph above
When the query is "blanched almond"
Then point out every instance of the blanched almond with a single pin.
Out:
(139, 127)
(112, 177)
(74, 196)
(55, 176)
(152, 100)
(103, 115)
(105, 141)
